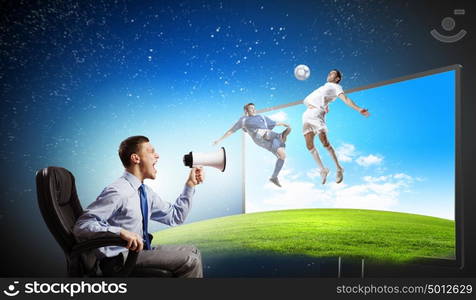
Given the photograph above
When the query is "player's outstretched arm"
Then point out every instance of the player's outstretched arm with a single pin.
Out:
(363, 111)
(227, 134)
(283, 124)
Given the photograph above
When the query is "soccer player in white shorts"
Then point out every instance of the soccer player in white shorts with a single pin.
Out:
(314, 120)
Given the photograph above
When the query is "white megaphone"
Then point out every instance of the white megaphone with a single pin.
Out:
(215, 159)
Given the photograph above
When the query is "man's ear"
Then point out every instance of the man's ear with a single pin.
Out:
(135, 158)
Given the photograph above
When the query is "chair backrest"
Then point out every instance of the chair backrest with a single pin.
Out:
(59, 204)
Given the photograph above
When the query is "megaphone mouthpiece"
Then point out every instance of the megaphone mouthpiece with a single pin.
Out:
(188, 160)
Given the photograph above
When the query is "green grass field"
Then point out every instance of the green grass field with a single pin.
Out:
(373, 235)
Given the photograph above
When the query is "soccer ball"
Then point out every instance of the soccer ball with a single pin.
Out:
(302, 72)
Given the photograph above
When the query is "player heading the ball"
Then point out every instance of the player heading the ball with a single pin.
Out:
(314, 120)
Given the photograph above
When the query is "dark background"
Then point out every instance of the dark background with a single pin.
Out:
(51, 65)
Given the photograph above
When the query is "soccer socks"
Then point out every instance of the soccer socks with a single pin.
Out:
(316, 157)
(277, 167)
(334, 156)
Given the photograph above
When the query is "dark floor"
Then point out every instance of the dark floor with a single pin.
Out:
(272, 265)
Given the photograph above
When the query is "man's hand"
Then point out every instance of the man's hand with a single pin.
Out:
(283, 124)
(134, 241)
(227, 134)
(364, 112)
(196, 176)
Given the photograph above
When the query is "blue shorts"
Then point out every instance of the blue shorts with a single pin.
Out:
(272, 144)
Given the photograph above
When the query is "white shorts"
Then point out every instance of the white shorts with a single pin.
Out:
(314, 120)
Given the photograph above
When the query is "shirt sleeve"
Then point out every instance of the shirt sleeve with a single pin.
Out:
(238, 125)
(94, 219)
(271, 123)
(339, 90)
(168, 213)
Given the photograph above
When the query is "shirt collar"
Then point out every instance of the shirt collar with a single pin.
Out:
(133, 180)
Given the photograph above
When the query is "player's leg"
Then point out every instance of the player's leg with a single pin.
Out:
(285, 133)
(309, 137)
(281, 155)
(274, 146)
(330, 149)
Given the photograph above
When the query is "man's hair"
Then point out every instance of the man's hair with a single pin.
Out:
(339, 74)
(129, 146)
(246, 106)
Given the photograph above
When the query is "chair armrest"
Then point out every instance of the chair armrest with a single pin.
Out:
(103, 241)
(98, 242)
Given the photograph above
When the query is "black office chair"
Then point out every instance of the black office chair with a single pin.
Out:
(60, 207)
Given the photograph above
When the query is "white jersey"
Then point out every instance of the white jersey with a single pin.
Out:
(314, 118)
(325, 94)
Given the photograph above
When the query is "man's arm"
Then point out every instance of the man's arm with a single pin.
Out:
(350, 103)
(93, 221)
(283, 124)
(227, 134)
(176, 213)
(232, 130)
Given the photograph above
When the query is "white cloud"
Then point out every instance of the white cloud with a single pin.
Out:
(294, 194)
(313, 173)
(369, 160)
(280, 116)
(368, 196)
(345, 152)
(379, 193)
(402, 176)
(371, 179)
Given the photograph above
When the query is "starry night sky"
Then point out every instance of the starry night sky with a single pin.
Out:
(77, 77)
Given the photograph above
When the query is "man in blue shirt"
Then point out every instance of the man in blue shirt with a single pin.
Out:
(125, 207)
(259, 128)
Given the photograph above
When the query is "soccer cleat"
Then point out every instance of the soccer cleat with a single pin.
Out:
(324, 173)
(339, 175)
(275, 181)
(284, 134)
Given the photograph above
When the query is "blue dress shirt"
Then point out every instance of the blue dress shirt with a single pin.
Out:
(118, 206)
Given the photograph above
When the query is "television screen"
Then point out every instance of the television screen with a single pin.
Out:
(397, 199)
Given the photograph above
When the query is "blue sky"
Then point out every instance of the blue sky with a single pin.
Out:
(78, 77)
(401, 158)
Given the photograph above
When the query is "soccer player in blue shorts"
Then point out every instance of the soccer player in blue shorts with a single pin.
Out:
(259, 128)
